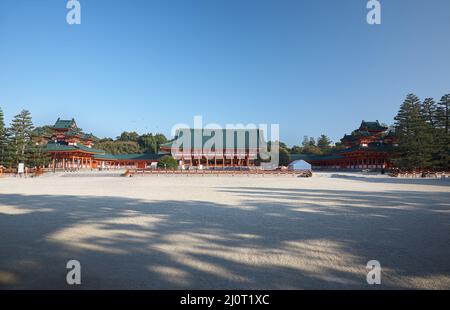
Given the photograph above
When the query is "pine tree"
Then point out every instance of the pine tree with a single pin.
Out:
(443, 113)
(8, 150)
(36, 156)
(443, 132)
(428, 110)
(324, 143)
(3, 140)
(21, 131)
(415, 139)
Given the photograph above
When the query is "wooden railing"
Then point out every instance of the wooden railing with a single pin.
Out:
(420, 174)
(131, 172)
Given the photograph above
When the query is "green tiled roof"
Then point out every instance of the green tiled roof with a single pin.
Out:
(376, 126)
(53, 147)
(314, 157)
(348, 138)
(241, 143)
(63, 123)
(128, 156)
(362, 133)
(144, 156)
(90, 149)
(100, 154)
(355, 135)
(57, 147)
(105, 156)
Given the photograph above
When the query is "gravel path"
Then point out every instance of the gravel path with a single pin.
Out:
(228, 232)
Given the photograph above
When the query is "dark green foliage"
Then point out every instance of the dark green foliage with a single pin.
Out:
(119, 147)
(8, 151)
(131, 142)
(150, 143)
(428, 110)
(44, 131)
(443, 112)
(443, 132)
(3, 141)
(284, 157)
(16, 144)
(309, 146)
(21, 130)
(296, 149)
(167, 162)
(415, 136)
(128, 136)
(324, 143)
(37, 156)
(337, 146)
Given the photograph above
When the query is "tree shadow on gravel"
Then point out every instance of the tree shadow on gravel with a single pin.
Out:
(393, 180)
(276, 238)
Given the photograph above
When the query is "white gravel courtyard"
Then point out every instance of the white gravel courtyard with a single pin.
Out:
(194, 232)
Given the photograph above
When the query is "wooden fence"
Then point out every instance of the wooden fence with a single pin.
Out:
(157, 172)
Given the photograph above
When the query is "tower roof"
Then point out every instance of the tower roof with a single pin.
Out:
(372, 126)
(64, 124)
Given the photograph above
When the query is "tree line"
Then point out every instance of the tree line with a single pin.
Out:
(132, 142)
(423, 134)
(19, 142)
(309, 146)
(421, 130)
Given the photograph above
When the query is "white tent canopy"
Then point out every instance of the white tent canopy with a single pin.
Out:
(299, 165)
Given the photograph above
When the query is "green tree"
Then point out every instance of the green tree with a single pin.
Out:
(428, 111)
(160, 139)
(119, 147)
(167, 162)
(296, 149)
(284, 157)
(415, 139)
(3, 140)
(128, 136)
(43, 131)
(443, 132)
(443, 113)
(309, 146)
(324, 143)
(8, 153)
(105, 140)
(37, 156)
(21, 132)
(338, 146)
(308, 141)
(148, 144)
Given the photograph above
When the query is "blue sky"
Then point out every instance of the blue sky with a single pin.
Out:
(313, 66)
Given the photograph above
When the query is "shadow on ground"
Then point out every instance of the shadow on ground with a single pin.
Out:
(296, 241)
(393, 180)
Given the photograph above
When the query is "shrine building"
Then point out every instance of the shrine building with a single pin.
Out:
(71, 149)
